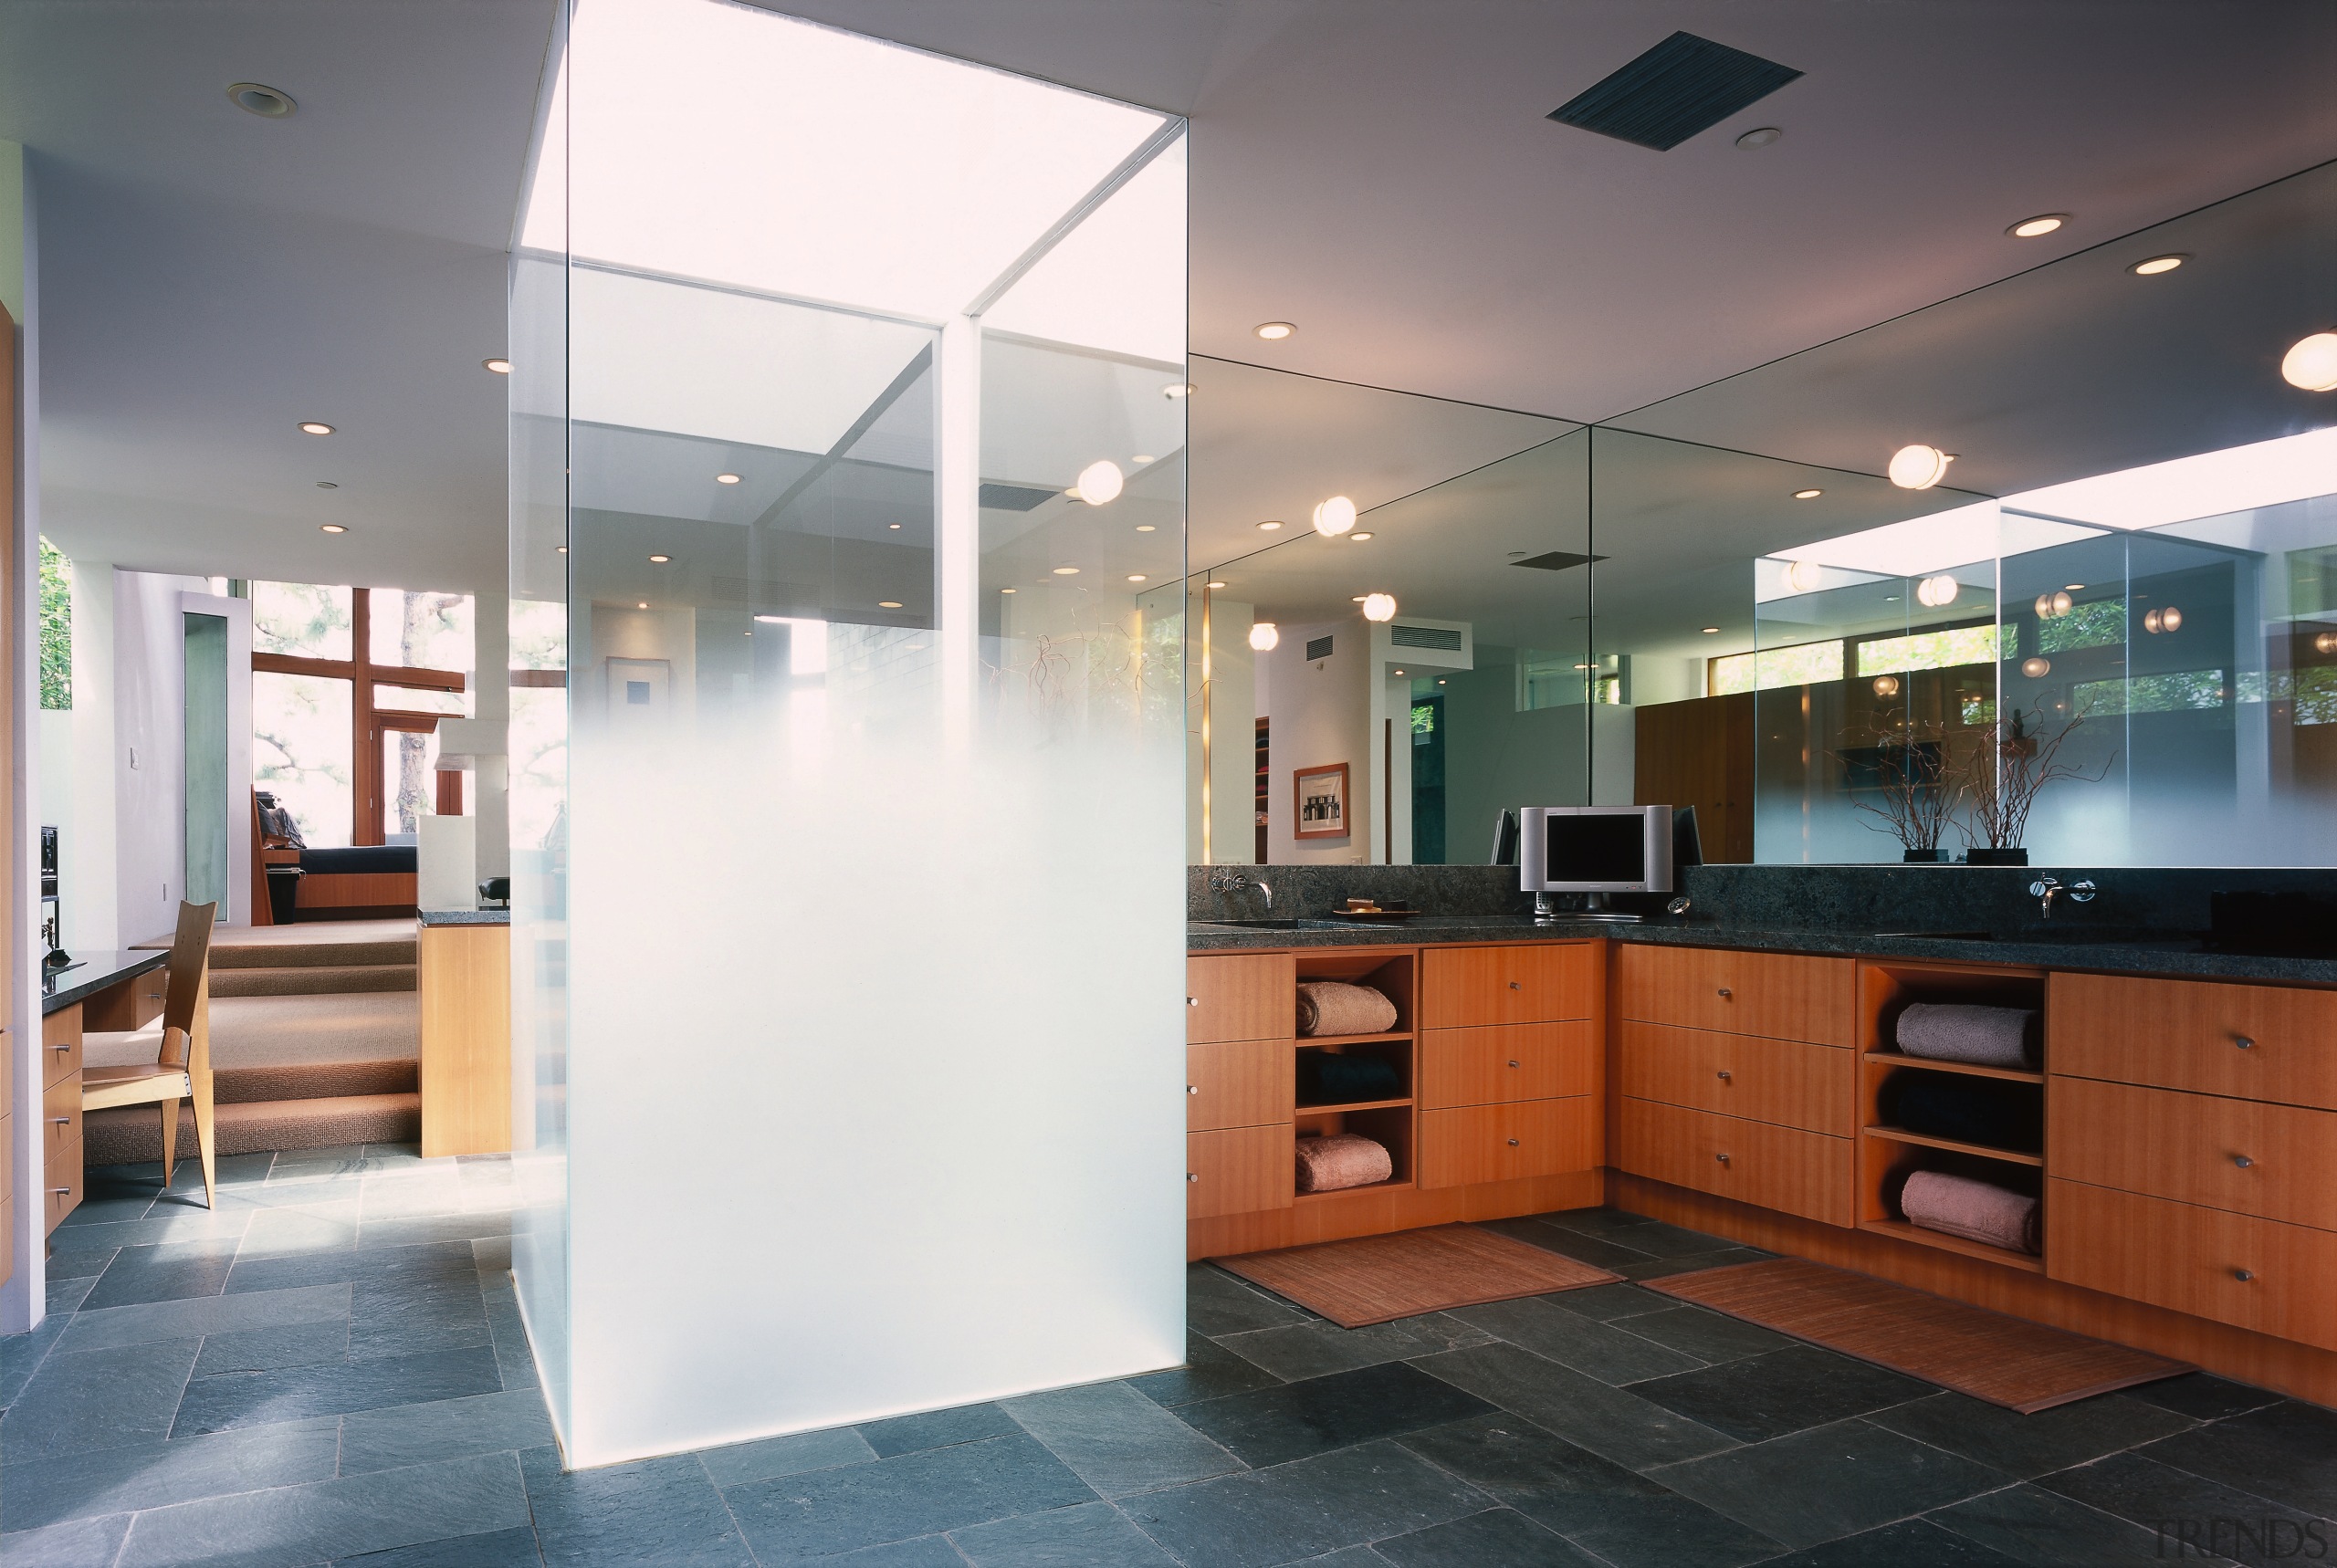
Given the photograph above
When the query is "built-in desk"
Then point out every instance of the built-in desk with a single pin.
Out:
(101, 991)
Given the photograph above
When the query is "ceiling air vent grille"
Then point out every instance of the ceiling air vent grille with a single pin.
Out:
(1439, 637)
(1557, 560)
(1683, 85)
(1014, 498)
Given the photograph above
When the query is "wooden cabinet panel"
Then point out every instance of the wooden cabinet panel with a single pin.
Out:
(133, 1004)
(464, 980)
(1241, 995)
(1238, 1083)
(60, 1041)
(1507, 1061)
(1545, 982)
(1237, 1171)
(60, 1119)
(1808, 1174)
(2278, 1162)
(1502, 1143)
(2187, 1034)
(1785, 996)
(2259, 1274)
(61, 1191)
(1789, 1083)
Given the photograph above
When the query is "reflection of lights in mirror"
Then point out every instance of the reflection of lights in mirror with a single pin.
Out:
(2310, 363)
(1268, 528)
(1358, 538)
(1918, 467)
(1804, 576)
(1936, 592)
(1100, 483)
(1334, 516)
(2037, 669)
(2325, 643)
(2169, 619)
(1378, 607)
(1807, 495)
(1265, 636)
(2053, 606)
(1886, 686)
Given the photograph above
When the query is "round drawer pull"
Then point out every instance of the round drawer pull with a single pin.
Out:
(2243, 1275)
(2242, 1161)
(1724, 992)
(1516, 987)
(1513, 1064)
(1721, 1158)
(1512, 1142)
(1192, 1176)
(2242, 1042)
(1192, 1088)
(1724, 1075)
(1192, 1002)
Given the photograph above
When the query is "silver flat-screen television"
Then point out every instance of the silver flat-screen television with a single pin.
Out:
(1596, 850)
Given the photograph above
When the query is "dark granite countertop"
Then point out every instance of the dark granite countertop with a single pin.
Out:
(92, 973)
(2074, 945)
(467, 917)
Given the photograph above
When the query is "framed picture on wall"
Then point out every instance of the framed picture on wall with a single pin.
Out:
(1320, 810)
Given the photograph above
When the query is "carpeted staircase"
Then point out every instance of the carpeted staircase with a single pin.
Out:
(315, 1030)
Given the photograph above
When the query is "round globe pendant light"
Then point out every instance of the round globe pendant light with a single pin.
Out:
(1918, 467)
(1334, 516)
(1886, 686)
(1935, 592)
(1100, 482)
(2310, 363)
(1804, 576)
(1265, 636)
(2037, 669)
(1379, 607)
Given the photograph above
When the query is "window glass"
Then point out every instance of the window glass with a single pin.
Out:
(417, 699)
(300, 751)
(409, 781)
(303, 619)
(1799, 665)
(1928, 651)
(421, 629)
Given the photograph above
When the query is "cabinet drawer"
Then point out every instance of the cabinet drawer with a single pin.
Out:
(1237, 1171)
(60, 1120)
(2193, 1260)
(1504, 1062)
(61, 1189)
(2187, 1034)
(1787, 1081)
(133, 1004)
(1545, 982)
(1808, 1174)
(60, 1041)
(2277, 1161)
(1241, 995)
(1785, 996)
(1503, 1143)
(1237, 1083)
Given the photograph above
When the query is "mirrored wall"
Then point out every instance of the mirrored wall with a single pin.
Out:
(2099, 627)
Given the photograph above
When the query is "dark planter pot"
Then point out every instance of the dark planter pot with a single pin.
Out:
(1926, 857)
(2016, 856)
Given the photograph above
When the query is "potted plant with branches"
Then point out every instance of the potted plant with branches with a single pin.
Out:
(1913, 788)
(2002, 782)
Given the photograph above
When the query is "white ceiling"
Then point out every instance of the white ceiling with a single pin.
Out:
(1377, 171)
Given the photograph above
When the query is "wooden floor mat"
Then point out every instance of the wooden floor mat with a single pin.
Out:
(2005, 1361)
(1378, 1278)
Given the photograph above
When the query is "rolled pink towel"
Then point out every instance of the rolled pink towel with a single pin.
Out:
(1341, 1160)
(1975, 1210)
(1335, 1007)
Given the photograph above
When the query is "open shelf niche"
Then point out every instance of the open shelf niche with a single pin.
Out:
(1388, 1120)
(1889, 1154)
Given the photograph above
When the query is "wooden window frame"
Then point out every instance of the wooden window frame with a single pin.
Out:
(366, 719)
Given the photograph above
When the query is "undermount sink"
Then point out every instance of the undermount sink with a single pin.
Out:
(1935, 936)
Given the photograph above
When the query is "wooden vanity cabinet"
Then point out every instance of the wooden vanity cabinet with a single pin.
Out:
(1509, 1061)
(1240, 1012)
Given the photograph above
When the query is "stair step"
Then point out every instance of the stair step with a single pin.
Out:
(132, 1134)
(315, 1080)
(313, 980)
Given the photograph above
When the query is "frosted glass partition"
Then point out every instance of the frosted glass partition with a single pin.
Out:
(862, 1039)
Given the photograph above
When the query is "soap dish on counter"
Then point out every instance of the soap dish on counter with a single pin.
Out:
(1374, 916)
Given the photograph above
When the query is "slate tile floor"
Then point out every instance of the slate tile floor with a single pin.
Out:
(332, 1370)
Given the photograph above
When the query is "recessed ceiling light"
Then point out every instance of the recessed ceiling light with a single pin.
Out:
(773, 620)
(1137, 576)
(1009, 591)
(1144, 527)
(1274, 331)
(1711, 631)
(895, 526)
(2152, 267)
(331, 527)
(889, 604)
(1439, 682)
(327, 485)
(643, 605)
(2071, 587)
(500, 367)
(1357, 599)
(726, 478)
(1268, 528)
(1753, 141)
(1359, 538)
(1212, 585)
(267, 102)
(659, 559)
(1807, 495)
(1066, 572)
(563, 549)
(315, 427)
(1144, 457)
(2041, 224)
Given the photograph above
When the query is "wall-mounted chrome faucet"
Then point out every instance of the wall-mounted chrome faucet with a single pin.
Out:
(1234, 881)
(2046, 888)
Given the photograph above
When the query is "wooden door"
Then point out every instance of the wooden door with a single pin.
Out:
(1241, 995)
(1700, 753)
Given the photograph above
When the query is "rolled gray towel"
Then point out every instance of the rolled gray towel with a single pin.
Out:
(1335, 1007)
(1958, 1031)
(1975, 1210)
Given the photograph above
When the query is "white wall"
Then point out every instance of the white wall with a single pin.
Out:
(22, 1294)
(1322, 715)
(149, 741)
(88, 883)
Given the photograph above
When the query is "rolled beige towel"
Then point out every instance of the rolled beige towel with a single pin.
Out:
(1959, 1031)
(1341, 1160)
(1335, 1007)
(1975, 1210)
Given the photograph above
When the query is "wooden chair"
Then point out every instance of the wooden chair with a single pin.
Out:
(181, 1068)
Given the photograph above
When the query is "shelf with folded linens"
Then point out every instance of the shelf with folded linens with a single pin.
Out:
(1964, 1069)
(1955, 1146)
